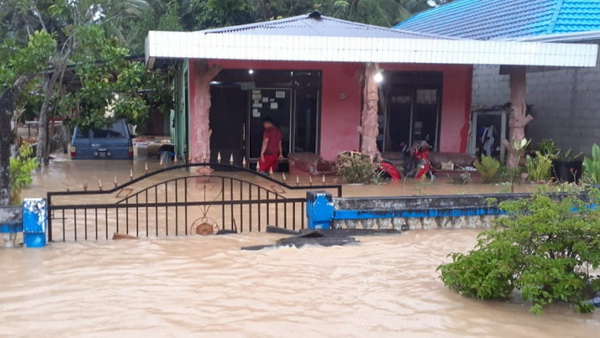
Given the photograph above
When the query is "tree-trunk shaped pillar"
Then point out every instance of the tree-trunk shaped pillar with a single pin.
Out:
(369, 128)
(200, 132)
(518, 118)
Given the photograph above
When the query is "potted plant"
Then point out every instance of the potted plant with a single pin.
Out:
(566, 167)
(591, 167)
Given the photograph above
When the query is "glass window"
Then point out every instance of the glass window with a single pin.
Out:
(117, 130)
(81, 134)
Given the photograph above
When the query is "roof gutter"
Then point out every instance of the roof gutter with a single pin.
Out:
(561, 37)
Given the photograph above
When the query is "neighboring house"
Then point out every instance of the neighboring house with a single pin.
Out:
(313, 75)
(565, 102)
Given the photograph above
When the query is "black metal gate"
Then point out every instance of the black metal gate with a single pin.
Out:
(181, 200)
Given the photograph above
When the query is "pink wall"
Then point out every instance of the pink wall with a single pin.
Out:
(339, 117)
(456, 102)
(341, 100)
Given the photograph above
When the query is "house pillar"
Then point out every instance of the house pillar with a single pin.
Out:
(369, 128)
(518, 118)
(200, 77)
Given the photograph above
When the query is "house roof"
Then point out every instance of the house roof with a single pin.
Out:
(316, 24)
(316, 38)
(506, 19)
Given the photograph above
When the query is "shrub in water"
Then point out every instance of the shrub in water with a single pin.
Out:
(542, 248)
(539, 167)
(488, 168)
(356, 168)
(20, 172)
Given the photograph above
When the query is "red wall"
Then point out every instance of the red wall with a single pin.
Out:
(341, 100)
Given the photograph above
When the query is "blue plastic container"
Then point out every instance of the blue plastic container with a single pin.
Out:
(34, 222)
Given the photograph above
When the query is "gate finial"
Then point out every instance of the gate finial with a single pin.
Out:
(146, 167)
(231, 159)
(283, 176)
(99, 184)
(244, 162)
(116, 182)
(85, 185)
(219, 157)
(131, 174)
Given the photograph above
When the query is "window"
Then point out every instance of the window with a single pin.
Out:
(82, 134)
(117, 130)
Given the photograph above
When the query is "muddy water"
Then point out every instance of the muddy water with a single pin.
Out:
(63, 174)
(192, 286)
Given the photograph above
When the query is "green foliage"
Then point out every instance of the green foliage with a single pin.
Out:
(591, 166)
(539, 167)
(20, 172)
(488, 168)
(24, 60)
(356, 168)
(547, 147)
(542, 248)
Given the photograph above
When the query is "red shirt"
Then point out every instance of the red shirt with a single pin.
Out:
(274, 136)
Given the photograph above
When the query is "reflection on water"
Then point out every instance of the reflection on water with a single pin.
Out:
(189, 286)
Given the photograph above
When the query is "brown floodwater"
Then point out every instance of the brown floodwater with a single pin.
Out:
(206, 286)
(63, 174)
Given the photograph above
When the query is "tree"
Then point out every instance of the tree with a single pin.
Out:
(87, 45)
(20, 65)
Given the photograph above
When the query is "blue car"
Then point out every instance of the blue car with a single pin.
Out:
(110, 142)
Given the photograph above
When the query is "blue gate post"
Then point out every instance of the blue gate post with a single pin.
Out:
(319, 209)
(34, 222)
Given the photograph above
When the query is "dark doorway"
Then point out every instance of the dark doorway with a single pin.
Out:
(241, 98)
(276, 105)
(227, 122)
(305, 120)
(411, 109)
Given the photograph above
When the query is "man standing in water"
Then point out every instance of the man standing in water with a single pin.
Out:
(271, 150)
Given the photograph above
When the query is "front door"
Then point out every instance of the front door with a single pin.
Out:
(275, 104)
(227, 122)
(411, 109)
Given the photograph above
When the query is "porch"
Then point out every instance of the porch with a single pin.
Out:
(334, 86)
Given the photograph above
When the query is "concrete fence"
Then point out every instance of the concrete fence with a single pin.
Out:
(404, 212)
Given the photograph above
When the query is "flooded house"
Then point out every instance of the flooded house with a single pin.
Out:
(333, 85)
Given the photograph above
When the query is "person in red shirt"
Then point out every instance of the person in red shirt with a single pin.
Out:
(271, 151)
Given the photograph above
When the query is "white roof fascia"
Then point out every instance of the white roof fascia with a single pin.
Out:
(198, 45)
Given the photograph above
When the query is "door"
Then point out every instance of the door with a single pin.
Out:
(488, 129)
(272, 103)
(227, 122)
(398, 121)
(306, 120)
(425, 116)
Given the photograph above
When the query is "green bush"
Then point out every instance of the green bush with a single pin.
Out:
(547, 148)
(591, 166)
(356, 168)
(487, 168)
(539, 167)
(542, 249)
(20, 172)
